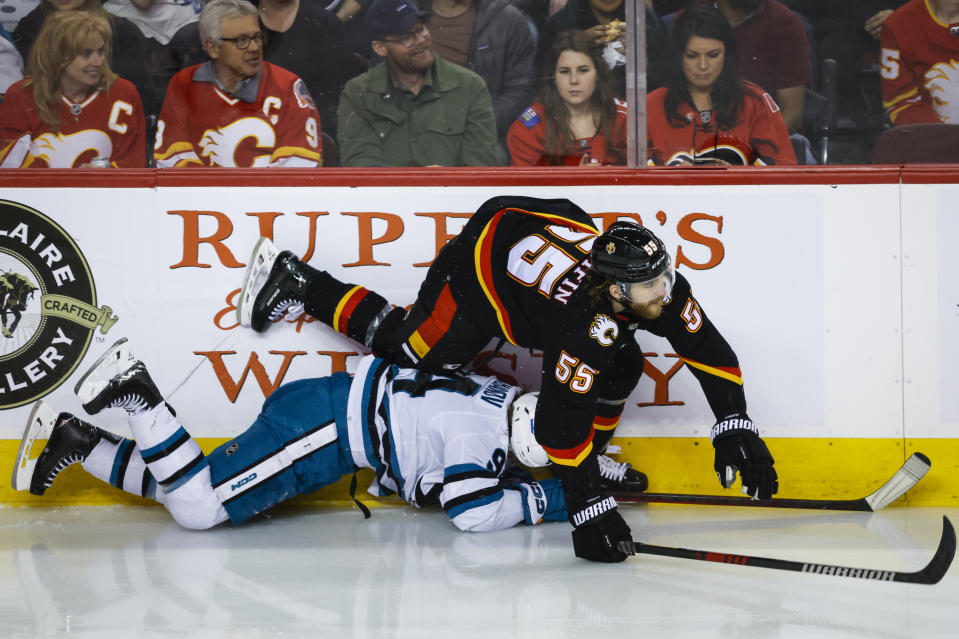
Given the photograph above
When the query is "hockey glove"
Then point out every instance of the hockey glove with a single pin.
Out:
(739, 448)
(598, 528)
(542, 501)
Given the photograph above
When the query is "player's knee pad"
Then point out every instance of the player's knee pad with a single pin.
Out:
(194, 505)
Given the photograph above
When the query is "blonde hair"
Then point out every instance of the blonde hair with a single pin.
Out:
(62, 38)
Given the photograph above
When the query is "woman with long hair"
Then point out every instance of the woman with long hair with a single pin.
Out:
(706, 114)
(127, 44)
(71, 110)
(577, 121)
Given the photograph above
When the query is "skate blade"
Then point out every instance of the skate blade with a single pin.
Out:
(115, 360)
(39, 426)
(261, 262)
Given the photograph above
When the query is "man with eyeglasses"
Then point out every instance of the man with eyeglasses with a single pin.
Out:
(236, 110)
(414, 109)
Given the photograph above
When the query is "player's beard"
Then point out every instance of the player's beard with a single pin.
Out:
(647, 310)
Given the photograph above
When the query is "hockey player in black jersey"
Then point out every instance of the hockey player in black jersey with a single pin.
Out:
(538, 273)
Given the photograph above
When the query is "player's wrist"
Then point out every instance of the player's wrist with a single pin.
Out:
(735, 424)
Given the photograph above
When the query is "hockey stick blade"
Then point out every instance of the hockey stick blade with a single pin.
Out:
(903, 480)
(932, 573)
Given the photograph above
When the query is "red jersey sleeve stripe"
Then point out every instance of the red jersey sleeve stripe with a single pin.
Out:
(346, 306)
(571, 456)
(605, 423)
(436, 325)
(732, 373)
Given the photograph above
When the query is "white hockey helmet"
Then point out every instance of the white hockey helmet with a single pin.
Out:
(522, 439)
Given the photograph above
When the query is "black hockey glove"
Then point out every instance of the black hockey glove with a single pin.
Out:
(739, 448)
(597, 524)
(598, 528)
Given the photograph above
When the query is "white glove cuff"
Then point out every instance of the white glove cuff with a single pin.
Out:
(733, 422)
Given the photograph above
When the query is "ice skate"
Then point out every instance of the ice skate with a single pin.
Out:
(69, 442)
(118, 379)
(275, 282)
(257, 271)
(620, 476)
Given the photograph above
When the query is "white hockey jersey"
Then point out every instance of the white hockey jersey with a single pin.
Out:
(435, 439)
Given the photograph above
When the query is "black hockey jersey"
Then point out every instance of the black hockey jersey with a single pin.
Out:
(522, 266)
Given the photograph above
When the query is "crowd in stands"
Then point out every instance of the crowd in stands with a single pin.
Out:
(174, 83)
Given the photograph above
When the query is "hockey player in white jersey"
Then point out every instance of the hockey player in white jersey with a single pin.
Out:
(432, 440)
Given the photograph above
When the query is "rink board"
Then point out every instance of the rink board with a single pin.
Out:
(837, 290)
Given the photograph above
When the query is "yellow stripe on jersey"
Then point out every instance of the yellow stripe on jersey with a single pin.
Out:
(728, 374)
(342, 304)
(420, 347)
(899, 98)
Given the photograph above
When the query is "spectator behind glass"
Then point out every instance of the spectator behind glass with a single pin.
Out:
(71, 108)
(236, 110)
(920, 63)
(604, 20)
(578, 122)
(706, 114)
(129, 58)
(157, 19)
(309, 41)
(414, 108)
(773, 52)
(11, 64)
(492, 38)
(303, 38)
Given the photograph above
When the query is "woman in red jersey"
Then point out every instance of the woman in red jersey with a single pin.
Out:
(71, 110)
(577, 121)
(706, 114)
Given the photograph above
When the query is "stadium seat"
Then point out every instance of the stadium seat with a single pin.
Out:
(918, 144)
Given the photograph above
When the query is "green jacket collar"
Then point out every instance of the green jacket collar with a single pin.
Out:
(444, 75)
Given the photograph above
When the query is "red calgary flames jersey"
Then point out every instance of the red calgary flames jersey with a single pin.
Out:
(107, 124)
(920, 66)
(200, 124)
(759, 137)
(527, 141)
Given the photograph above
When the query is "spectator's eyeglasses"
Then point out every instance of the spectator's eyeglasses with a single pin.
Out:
(406, 41)
(243, 41)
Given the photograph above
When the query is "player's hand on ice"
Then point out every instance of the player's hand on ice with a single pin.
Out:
(597, 529)
(739, 448)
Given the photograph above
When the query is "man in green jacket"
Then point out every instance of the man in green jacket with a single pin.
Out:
(415, 109)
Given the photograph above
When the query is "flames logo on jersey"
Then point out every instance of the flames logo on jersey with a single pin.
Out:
(942, 82)
(62, 151)
(220, 145)
(604, 330)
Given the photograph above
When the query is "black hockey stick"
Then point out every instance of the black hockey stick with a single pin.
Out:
(905, 478)
(931, 574)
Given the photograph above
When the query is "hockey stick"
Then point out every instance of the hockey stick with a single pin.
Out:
(905, 478)
(930, 574)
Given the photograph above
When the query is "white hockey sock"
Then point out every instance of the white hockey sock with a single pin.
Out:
(172, 456)
(120, 465)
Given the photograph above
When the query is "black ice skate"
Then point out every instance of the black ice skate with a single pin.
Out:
(263, 299)
(620, 476)
(70, 441)
(118, 379)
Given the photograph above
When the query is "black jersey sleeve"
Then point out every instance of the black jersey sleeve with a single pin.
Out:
(703, 349)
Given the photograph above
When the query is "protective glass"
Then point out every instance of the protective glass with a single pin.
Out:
(658, 287)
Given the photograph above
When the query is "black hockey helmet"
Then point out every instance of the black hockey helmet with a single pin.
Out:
(628, 252)
(636, 260)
